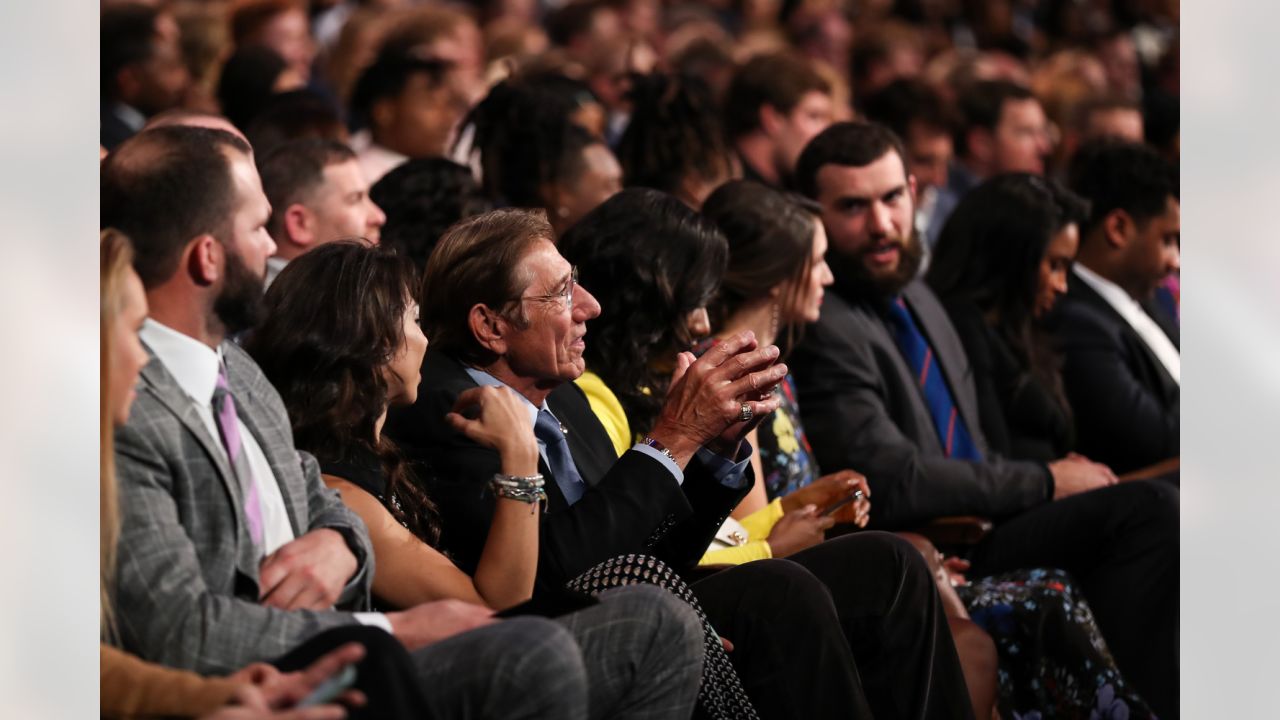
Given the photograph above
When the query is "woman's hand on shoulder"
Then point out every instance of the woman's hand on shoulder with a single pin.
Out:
(497, 418)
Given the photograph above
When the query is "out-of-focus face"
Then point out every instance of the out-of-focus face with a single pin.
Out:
(928, 156)
(1021, 139)
(813, 114)
(868, 213)
(1055, 266)
(1155, 251)
(548, 349)
(404, 371)
(160, 81)
(1121, 123)
(289, 34)
(128, 357)
(342, 207)
(805, 305)
(419, 121)
(600, 180)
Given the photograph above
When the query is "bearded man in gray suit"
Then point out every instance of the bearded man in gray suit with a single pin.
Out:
(232, 550)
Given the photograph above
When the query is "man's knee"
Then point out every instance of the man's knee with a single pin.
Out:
(545, 654)
(675, 626)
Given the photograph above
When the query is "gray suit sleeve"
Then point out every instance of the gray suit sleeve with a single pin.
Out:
(326, 510)
(166, 611)
(844, 404)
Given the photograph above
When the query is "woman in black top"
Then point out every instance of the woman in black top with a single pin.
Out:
(1000, 264)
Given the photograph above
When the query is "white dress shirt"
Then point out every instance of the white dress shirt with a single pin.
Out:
(194, 366)
(1159, 343)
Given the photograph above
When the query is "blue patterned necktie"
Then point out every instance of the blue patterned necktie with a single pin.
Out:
(547, 429)
(952, 431)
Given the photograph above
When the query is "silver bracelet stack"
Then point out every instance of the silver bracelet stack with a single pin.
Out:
(524, 488)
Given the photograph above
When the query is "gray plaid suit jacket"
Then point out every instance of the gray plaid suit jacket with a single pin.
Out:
(187, 578)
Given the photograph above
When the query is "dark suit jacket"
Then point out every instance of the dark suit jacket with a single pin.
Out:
(1125, 403)
(1021, 417)
(111, 129)
(632, 505)
(863, 410)
(187, 580)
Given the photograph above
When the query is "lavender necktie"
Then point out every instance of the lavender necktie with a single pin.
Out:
(224, 411)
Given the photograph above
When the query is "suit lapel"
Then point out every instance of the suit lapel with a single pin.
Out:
(249, 410)
(166, 390)
(1081, 291)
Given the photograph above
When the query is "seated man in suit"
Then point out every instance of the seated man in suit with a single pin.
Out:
(318, 194)
(501, 307)
(885, 388)
(1122, 367)
(232, 549)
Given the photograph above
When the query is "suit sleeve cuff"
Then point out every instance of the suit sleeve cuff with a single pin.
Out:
(667, 462)
(376, 619)
(731, 473)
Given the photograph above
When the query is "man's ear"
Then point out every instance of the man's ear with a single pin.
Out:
(205, 260)
(1116, 228)
(127, 82)
(912, 188)
(489, 328)
(770, 120)
(382, 112)
(299, 225)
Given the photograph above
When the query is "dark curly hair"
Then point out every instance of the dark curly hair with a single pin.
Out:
(334, 320)
(650, 261)
(527, 138)
(674, 134)
(422, 198)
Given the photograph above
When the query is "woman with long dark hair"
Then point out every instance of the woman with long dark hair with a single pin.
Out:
(341, 344)
(1001, 262)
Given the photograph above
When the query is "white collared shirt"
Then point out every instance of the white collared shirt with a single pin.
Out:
(1159, 343)
(274, 265)
(194, 366)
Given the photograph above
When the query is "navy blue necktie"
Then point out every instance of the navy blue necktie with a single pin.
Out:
(954, 434)
(547, 429)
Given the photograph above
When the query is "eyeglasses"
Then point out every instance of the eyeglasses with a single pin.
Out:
(565, 296)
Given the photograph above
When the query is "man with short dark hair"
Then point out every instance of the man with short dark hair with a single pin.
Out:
(142, 69)
(774, 105)
(885, 388)
(233, 551)
(318, 194)
(1122, 366)
(410, 110)
(1004, 130)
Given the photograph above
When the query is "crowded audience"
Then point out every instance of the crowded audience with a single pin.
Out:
(602, 359)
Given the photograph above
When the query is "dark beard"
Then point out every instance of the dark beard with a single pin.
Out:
(239, 306)
(854, 282)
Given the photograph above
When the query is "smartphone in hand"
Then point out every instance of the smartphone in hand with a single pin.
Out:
(856, 495)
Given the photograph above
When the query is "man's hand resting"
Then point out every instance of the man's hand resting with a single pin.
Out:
(431, 622)
(308, 573)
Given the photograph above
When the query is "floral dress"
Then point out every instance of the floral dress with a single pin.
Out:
(1053, 660)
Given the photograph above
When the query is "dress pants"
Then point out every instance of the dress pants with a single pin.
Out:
(636, 655)
(852, 627)
(1121, 543)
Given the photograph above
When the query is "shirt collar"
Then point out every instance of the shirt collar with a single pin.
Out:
(1115, 295)
(484, 379)
(192, 364)
(130, 116)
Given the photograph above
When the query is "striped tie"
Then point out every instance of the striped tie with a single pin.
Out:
(224, 411)
(956, 441)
